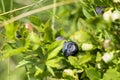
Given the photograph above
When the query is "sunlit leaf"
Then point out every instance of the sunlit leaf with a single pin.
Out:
(35, 20)
(11, 52)
(84, 59)
(22, 63)
(70, 74)
(54, 62)
(34, 37)
(74, 61)
(86, 13)
(48, 33)
(55, 51)
(78, 36)
(93, 74)
(39, 69)
(50, 70)
(10, 31)
(111, 74)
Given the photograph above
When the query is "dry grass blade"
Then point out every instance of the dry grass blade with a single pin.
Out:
(18, 9)
(36, 11)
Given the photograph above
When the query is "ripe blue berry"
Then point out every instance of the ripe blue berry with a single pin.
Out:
(99, 9)
(18, 35)
(70, 48)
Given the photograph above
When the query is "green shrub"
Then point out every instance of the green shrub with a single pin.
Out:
(94, 25)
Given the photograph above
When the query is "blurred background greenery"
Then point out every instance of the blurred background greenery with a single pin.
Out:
(8, 70)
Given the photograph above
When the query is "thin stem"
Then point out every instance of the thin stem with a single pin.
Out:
(93, 9)
(36, 11)
(11, 4)
(8, 68)
(53, 17)
(108, 36)
(27, 72)
(3, 5)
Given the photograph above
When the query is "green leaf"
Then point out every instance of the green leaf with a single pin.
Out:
(78, 36)
(11, 52)
(40, 54)
(77, 62)
(55, 51)
(74, 61)
(35, 20)
(10, 31)
(48, 33)
(33, 37)
(22, 63)
(98, 57)
(54, 62)
(70, 74)
(93, 74)
(39, 69)
(84, 58)
(6, 46)
(54, 45)
(86, 13)
(50, 70)
(111, 74)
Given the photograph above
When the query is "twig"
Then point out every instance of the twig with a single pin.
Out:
(27, 72)
(8, 68)
(53, 17)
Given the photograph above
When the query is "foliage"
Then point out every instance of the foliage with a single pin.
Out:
(33, 39)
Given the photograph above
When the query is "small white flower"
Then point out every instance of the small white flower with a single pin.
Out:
(116, 15)
(107, 57)
(107, 16)
(116, 1)
(86, 46)
(69, 72)
(99, 66)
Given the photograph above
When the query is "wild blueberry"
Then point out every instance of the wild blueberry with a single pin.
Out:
(70, 48)
(59, 38)
(18, 35)
(99, 9)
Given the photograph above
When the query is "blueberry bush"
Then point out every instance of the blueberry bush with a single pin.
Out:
(60, 39)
